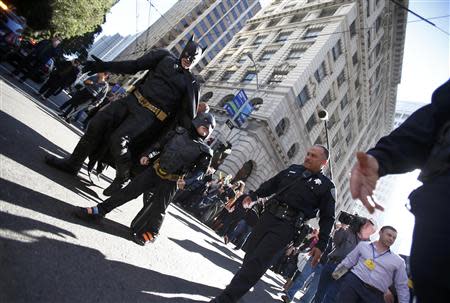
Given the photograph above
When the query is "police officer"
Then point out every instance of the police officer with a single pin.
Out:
(181, 151)
(422, 141)
(298, 193)
(168, 90)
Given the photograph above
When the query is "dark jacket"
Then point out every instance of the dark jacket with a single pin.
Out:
(409, 146)
(311, 194)
(167, 85)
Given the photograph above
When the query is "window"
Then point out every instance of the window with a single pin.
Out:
(347, 121)
(206, 97)
(227, 75)
(295, 54)
(273, 22)
(335, 139)
(283, 37)
(310, 123)
(344, 102)
(378, 23)
(239, 42)
(303, 97)
(252, 26)
(292, 151)
(209, 74)
(225, 57)
(326, 12)
(282, 127)
(277, 77)
(259, 40)
(348, 139)
(312, 33)
(355, 58)
(249, 76)
(369, 39)
(320, 73)
(242, 58)
(266, 55)
(356, 83)
(225, 100)
(341, 79)
(352, 29)
(368, 7)
(337, 50)
(297, 18)
(203, 25)
(326, 100)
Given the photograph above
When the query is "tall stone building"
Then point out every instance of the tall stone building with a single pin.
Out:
(108, 47)
(341, 56)
(213, 23)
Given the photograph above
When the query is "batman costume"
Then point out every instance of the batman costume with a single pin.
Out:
(168, 92)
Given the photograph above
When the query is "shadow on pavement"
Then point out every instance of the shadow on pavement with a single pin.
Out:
(28, 148)
(262, 288)
(191, 225)
(39, 269)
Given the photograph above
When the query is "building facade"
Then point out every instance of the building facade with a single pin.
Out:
(109, 47)
(213, 24)
(341, 56)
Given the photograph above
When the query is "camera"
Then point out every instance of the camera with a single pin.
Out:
(355, 222)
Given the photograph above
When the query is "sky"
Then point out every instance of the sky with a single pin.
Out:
(425, 67)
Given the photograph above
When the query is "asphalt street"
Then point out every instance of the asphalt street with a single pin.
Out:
(47, 255)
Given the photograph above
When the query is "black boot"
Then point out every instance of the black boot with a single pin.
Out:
(74, 162)
(88, 214)
(121, 179)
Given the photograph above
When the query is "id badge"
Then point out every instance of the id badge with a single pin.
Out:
(369, 264)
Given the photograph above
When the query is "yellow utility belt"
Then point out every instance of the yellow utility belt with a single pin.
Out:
(163, 174)
(160, 114)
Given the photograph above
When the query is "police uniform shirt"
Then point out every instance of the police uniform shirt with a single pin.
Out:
(306, 192)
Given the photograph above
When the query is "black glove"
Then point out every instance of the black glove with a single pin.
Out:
(95, 66)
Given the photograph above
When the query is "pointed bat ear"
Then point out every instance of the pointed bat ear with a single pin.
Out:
(192, 38)
(203, 48)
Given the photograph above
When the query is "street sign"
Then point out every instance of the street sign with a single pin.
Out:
(230, 124)
(238, 101)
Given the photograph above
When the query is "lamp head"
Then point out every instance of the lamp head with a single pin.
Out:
(323, 115)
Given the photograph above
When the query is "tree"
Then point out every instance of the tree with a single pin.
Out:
(80, 44)
(68, 19)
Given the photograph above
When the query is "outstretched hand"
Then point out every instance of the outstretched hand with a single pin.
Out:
(363, 180)
(93, 66)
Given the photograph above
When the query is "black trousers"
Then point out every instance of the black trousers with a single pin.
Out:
(51, 86)
(79, 98)
(116, 125)
(430, 253)
(151, 216)
(269, 236)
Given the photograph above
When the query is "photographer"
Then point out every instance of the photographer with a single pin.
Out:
(345, 239)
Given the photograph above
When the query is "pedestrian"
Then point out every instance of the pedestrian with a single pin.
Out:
(422, 141)
(41, 53)
(95, 90)
(169, 92)
(345, 240)
(63, 76)
(298, 193)
(181, 151)
(372, 268)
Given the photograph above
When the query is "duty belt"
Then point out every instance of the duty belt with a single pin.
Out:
(282, 210)
(163, 174)
(159, 113)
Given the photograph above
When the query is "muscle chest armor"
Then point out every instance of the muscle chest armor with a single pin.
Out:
(181, 152)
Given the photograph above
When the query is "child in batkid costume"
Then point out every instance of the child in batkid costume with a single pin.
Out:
(181, 151)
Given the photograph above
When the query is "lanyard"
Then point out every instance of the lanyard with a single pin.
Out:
(373, 252)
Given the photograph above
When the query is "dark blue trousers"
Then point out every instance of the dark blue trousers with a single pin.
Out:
(353, 290)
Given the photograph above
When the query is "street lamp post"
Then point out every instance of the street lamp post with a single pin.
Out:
(323, 116)
(256, 70)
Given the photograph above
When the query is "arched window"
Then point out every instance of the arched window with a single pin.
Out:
(225, 99)
(256, 102)
(282, 127)
(292, 151)
(206, 97)
(244, 172)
